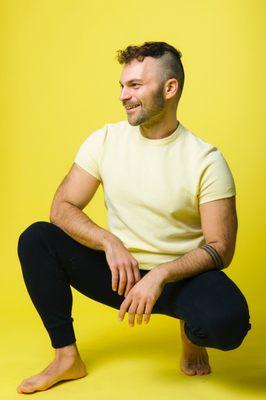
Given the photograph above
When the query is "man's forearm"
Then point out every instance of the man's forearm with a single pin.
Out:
(80, 227)
(192, 263)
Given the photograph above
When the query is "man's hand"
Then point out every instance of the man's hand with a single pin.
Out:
(141, 298)
(124, 267)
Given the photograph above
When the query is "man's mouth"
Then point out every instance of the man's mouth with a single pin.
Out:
(132, 108)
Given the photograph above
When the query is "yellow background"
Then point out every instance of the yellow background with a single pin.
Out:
(59, 82)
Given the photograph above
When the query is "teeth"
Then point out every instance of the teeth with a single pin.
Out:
(129, 108)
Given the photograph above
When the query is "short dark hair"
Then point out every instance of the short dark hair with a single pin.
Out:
(172, 67)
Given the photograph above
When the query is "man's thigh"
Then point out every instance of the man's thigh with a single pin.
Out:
(85, 269)
(208, 299)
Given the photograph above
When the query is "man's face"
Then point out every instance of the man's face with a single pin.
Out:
(141, 86)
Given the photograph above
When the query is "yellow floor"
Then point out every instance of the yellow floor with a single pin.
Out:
(127, 363)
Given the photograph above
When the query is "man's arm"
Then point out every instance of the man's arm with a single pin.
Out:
(73, 194)
(219, 225)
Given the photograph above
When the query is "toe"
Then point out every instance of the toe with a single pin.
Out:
(203, 369)
(26, 389)
(188, 370)
(20, 388)
(200, 372)
(200, 369)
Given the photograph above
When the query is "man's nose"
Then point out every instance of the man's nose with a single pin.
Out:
(125, 94)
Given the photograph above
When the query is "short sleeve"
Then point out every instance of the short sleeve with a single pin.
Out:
(90, 152)
(216, 179)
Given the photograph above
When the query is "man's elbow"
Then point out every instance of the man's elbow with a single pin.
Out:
(52, 216)
(57, 211)
(225, 251)
(228, 255)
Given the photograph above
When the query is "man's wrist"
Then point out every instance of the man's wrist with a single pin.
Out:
(108, 238)
(161, 273)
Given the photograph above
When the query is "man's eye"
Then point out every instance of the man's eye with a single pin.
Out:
(133, 84)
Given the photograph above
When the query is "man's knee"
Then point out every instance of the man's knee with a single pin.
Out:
(229, 331)
(31, 233)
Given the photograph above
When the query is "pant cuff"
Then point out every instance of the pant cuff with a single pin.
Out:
(62, 335)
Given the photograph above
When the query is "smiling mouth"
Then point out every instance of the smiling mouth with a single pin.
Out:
(131, 109)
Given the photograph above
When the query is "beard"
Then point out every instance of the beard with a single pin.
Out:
(152, 113)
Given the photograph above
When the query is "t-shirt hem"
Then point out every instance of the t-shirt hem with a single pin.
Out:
(88, 169)
(216, 197)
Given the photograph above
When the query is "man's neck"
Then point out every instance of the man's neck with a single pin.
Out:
(160, 130)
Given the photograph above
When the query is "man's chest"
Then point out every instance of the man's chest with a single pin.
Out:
(162, 181)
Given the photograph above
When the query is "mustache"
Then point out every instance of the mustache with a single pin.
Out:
(131, 104)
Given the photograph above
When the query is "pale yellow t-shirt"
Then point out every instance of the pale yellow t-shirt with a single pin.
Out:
(153, 187)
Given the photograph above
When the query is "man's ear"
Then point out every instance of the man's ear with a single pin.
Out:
(171, 88)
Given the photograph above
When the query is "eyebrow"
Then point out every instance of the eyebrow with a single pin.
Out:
(132, 80)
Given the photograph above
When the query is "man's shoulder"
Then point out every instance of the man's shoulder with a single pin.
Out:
(107, 131)
(197, 147)
(196, 139)
(114, 129)
(201, 153)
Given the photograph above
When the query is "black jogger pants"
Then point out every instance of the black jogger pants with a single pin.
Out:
(214, 309)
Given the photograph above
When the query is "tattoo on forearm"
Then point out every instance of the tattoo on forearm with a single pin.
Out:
(215, 255)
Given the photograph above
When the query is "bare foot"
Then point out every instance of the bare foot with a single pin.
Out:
(195, 359)
(63, 367)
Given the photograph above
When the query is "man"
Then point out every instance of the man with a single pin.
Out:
(172, 221)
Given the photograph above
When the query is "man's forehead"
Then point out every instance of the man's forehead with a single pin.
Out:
(138, 71)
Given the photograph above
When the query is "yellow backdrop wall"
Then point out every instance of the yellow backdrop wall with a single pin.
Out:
(59, 80)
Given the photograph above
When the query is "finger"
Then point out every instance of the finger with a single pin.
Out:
(137, 273)
(140, 311)
(146, 318)
(130, 281)
(122, 281)
(123, 308)
(132, 312)
(114, 279)
(148, 310)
